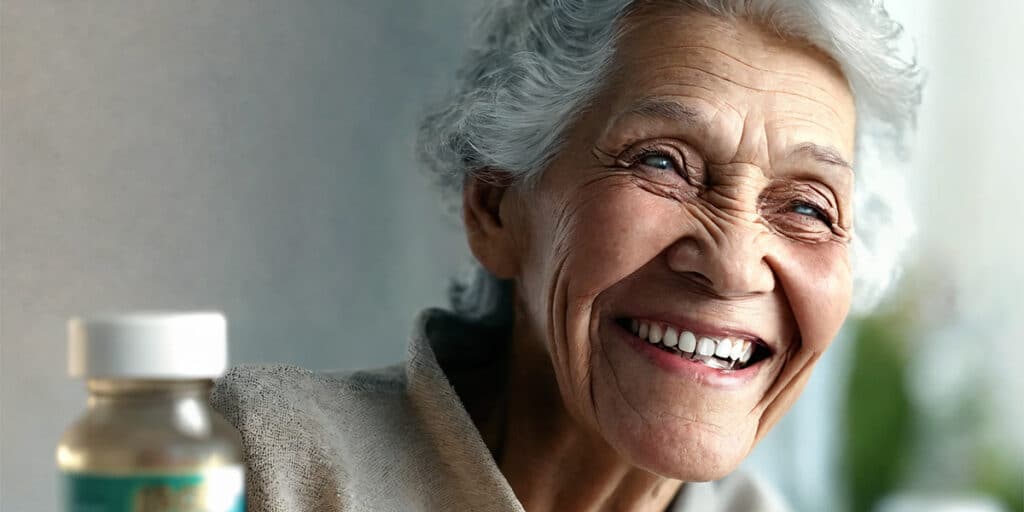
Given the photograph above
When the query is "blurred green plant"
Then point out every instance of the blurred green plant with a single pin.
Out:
(891, 445)
(999, 476)
(878, 412)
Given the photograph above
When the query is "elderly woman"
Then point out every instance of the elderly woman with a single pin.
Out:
(660, 197)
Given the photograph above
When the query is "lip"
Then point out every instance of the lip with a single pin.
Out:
(685, 368)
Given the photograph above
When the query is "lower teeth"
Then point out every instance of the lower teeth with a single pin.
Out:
(711, 361)
(720, 364)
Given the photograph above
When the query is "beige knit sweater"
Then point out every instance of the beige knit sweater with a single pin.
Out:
(394, 439)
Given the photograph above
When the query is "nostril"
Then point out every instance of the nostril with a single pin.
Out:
(723, 266)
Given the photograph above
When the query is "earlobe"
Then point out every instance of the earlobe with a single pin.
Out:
(487, 216)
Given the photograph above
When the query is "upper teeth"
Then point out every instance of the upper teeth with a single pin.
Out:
(732, 350)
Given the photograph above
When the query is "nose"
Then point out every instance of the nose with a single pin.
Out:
(731, 262)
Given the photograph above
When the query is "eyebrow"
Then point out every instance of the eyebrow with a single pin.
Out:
(826, 154)
(665, 109)
(660, 108)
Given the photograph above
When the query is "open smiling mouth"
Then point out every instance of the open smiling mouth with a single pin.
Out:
(723, 353)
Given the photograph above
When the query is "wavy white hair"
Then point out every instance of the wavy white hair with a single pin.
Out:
(536, 63)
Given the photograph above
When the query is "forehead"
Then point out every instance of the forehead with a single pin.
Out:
(753, 95)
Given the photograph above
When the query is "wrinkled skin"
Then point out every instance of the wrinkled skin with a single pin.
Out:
(708, 180)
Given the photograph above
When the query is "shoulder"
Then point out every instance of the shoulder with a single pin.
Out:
(303, 431)
(248, 387)
(261, 399)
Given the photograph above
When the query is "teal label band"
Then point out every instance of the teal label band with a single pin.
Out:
(216, 490)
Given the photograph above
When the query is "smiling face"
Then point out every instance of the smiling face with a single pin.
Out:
(706, 192)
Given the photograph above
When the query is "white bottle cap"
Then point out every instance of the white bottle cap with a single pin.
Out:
(148, 345)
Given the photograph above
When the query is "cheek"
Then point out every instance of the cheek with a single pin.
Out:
(818, 283)
(602, 233)
(608, 233)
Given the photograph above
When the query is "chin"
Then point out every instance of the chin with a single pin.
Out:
(689, 452)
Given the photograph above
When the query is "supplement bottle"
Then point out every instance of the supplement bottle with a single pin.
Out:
(149, 441)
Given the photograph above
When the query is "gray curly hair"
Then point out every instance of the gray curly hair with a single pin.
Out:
(536, 63)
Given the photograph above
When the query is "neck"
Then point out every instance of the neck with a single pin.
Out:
(551, 460)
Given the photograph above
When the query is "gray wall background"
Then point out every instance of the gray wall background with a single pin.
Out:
(249, 156)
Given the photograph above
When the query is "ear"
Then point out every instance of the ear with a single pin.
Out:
(487, 214)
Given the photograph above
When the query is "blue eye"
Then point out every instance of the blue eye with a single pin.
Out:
(811, 211)
(658, 161)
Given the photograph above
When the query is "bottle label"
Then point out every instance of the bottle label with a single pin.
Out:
(214, 490)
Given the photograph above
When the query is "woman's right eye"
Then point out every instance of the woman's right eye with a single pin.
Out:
(666, 163)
